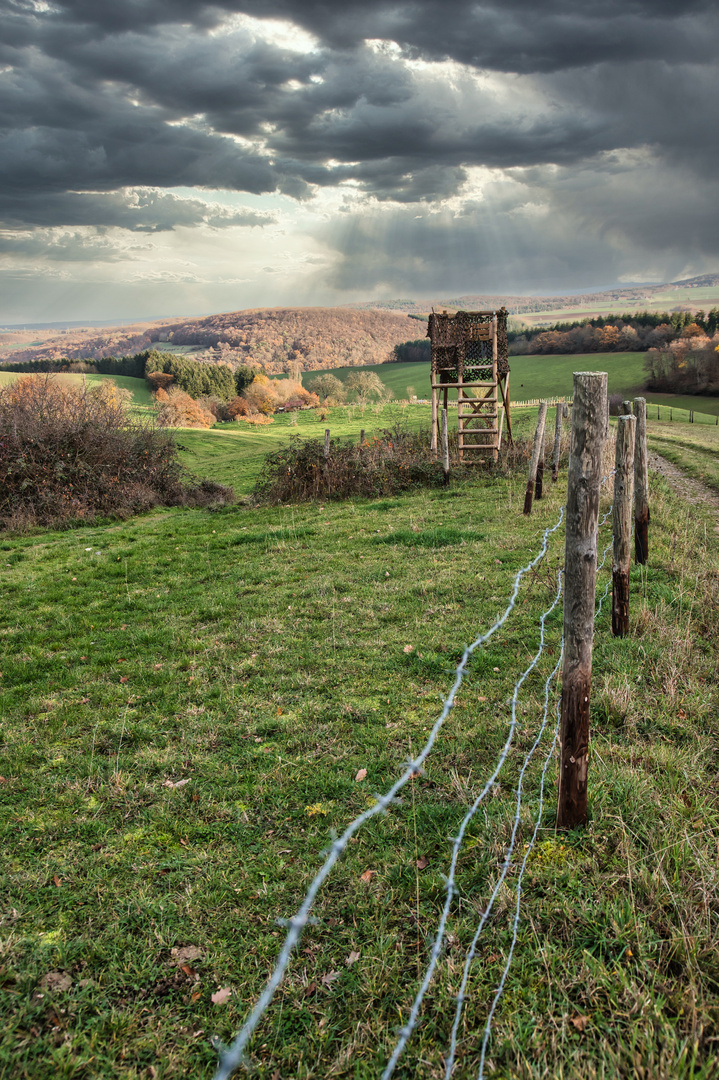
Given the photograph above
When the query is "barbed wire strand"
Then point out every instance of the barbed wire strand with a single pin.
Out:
(232, 1056)
(530, 846)
(406, 1031)
(505, 868)
(515, 928)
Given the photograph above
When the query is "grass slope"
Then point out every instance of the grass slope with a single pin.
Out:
(693, 449)
(543, 376)
(141, 395)
(187, 700)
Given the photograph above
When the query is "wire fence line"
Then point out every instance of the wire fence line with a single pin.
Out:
(409, 1027)
(525, 860)
(231, 1057)
(461, 996)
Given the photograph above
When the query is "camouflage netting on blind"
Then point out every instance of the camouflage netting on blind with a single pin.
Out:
(457, 349)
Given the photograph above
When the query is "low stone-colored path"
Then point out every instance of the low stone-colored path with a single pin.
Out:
(691, 490)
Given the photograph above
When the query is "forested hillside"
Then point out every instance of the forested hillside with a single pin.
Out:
(314, 337)
(270, 338)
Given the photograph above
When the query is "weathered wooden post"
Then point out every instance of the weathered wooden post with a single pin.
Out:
(327, 444)
(536, 450)
(622, 523)
(362, 437)
(641, 484)
(627, 408)
(561, 412)
(445, 447)
(433, 443)
(539, 486)
(589, 420)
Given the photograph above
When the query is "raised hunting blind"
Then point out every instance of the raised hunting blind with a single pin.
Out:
(469, 355)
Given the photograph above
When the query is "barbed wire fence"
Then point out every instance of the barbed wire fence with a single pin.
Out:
(233, 1056)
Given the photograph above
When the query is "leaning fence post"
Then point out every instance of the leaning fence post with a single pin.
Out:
(536, 450)
(641, 485)
(622, 523)
(589, 422)
(445, 447)
(561, 411)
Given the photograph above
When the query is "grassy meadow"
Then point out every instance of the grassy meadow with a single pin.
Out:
(189, 701)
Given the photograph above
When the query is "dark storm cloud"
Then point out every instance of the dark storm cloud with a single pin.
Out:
(96, 98)
(135, 210)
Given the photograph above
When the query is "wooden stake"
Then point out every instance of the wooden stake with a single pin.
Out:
(327, 444)
(622, 523)
(641, 485)
(557, 440)
(433, 443)
(627, 408)
(445, 447)
(589, 419)
(362, 437)
(536, 450)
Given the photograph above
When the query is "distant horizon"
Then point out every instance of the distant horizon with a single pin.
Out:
(78, 323)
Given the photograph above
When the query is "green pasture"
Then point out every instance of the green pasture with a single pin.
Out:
(695, 449)
(541, 376)
(189, 703)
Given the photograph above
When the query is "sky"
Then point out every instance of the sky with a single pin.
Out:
(172, 157)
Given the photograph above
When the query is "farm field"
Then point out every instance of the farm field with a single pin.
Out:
(189, 700)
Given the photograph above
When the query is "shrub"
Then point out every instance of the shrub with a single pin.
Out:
(180, 410)
(70, 453)
(397, 460)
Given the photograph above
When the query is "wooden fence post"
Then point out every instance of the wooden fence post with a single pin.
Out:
(589, 424)
(361, 436)
(445, 447)
(627, 407)
(622, 523)
(539, 486)
(433, 441)
(561, 411)
(641, 485)
(536, 450)
(327, 444)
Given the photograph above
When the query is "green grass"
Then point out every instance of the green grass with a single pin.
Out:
(263, 657)
(233, 453)
(694, 449)
(543, 376)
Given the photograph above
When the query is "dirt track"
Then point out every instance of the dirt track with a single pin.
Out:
(691, 490)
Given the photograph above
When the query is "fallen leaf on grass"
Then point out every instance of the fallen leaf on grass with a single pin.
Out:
(352, 959)
(311, 989)
(361, 775)
(177, 783)
(580, 1022)
(221, 996)
(57, 880)
(123, 678)
(368, 875)
(56, 980)
(408, 648)
(421, 863)
(330, 978)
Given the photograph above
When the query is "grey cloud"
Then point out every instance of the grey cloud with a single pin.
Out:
(155, 94)
(135, 210)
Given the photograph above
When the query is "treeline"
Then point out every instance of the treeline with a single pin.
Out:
(614, 333)
(411, 352)
(686, 367)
